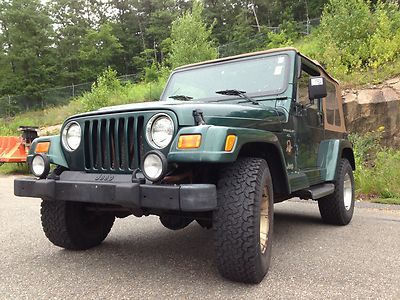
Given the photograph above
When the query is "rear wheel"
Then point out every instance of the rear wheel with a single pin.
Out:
(243, 221)
(338, 208)
(71, 225)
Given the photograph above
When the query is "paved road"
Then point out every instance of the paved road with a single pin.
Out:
(141, 259)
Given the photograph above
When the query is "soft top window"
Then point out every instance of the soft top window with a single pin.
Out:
(332, 107)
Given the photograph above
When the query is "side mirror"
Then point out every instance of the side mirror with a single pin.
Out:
(317, 88)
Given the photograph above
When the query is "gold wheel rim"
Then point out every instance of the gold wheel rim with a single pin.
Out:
(264, 221)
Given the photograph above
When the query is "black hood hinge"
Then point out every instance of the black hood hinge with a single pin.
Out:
(198, 117)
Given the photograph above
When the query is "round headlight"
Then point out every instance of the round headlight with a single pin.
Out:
(71, 136)
(154, 165)
(160, 131)
(40, 166)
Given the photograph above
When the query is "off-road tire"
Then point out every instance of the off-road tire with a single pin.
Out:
(236, 221)
(332, 207)
(174, 222)
(71, 226)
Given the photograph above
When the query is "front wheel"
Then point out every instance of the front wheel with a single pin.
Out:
(73, 225)
(338, 208)
(243, 221)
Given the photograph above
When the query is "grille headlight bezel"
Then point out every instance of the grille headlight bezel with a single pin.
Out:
(151, 137)
(68, 140)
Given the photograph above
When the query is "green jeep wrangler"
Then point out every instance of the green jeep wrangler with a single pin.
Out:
(227, 140)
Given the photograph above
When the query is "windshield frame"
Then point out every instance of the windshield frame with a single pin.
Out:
(287, 72)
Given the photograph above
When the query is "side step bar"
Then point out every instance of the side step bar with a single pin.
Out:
(316, 191)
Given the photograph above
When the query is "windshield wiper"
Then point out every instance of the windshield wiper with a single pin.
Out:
(181, 97)
(241, 94)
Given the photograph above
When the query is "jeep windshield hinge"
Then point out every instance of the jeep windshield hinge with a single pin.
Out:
(198, 117)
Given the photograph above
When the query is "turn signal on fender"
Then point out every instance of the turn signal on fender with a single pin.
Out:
(42, 147)
(189, 141)
(230, 142)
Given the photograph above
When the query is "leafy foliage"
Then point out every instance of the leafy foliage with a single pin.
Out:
(108, 90)
(191, 39)
(385, 42)
(106, 85)
(377, 168)
(355, 35)
(111, 93)
(26, 37)
(97, 51)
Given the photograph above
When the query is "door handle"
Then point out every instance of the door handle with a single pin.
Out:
(320, 118)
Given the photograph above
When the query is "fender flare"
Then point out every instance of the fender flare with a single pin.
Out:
(329, 154)
(55, 153)
(212, 148)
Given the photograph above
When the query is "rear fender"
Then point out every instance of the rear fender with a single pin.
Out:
(329, 154)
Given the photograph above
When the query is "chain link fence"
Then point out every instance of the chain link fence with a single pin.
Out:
(11, 105)
(259, 41)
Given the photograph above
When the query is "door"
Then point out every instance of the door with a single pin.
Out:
(309, 127)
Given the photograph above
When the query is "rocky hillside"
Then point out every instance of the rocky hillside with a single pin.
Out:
(373, 106)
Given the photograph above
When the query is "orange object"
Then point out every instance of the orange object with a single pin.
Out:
(12, 150)
(15, 149)
(230, 142)
(189, 141)
(42, 147)
(3, 141)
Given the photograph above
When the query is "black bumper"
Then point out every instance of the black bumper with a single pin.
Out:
(119, 190)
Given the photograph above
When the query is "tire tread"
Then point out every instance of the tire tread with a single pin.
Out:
(331, 207)
(59, 226)
(236, 244)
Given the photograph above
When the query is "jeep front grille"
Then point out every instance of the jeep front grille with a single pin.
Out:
(113, 144)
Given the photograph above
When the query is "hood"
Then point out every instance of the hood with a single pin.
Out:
(222, 114)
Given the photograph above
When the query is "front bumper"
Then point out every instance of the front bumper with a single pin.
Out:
(119, 190)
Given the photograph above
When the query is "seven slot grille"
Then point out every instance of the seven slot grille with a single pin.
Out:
(113, 144)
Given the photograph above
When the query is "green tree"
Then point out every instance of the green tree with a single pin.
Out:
(106, 85)
(385, 42)
(69, 18)
(191, 39)
(98, 50)
(26, 39)
(345, 31)
(243, 28)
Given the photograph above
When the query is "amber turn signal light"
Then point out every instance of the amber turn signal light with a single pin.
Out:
(230, 142)
(42, 147)
(189, 141)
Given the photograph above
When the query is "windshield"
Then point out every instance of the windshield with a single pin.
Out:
(261, 76)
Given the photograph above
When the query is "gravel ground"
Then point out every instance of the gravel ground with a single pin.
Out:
(141, 259)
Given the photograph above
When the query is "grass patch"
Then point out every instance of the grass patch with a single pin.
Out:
(371, 76)
(39, 118)
(128, 93)
(14, 169)
(377, 174)
(395, 201)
